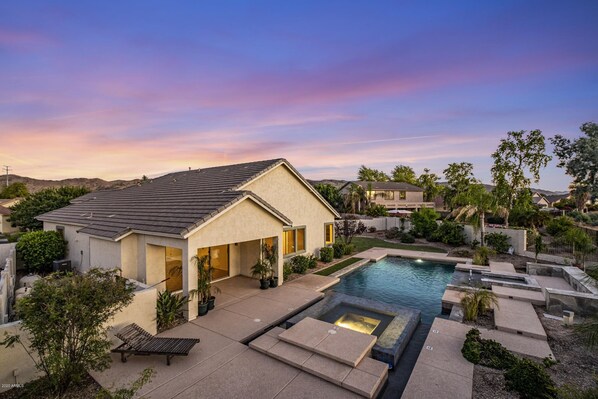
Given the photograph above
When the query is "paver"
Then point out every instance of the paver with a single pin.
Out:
(501, 267)
(518, 317)
(533, 297)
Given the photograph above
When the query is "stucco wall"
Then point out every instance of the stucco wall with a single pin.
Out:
(518, 237)
(78, 245)
(141, 311)
(104, 254)
(16, 367)
(6, 226)
(129, 256)
(280, 188)
(250, 253)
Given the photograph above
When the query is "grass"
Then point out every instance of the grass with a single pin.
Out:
(365, 243)
(340, 265)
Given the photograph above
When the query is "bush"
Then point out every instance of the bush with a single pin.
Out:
(312, 261)
(393, 233)
(486, 352)
(376, 210)
(407, 238)
(481, 256)
(500, 242)
(477, 302)
(169, 308)
(38, 249)
(559, 225)
(326, 254)
(65, 318)
(424, 222)
(300, 264)
(349, 249)
(339, 249)
(450, 233)
(287, 270)
(586, 218)
(530, 380)
(371, 229)
(471, 349)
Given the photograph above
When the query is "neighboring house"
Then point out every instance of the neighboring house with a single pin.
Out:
(224, 212)
(5, 224)
(392, 195)
(540, 200)
(553, 199)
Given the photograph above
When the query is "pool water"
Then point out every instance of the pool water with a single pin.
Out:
(407, 282)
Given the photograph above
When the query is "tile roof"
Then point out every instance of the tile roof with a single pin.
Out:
(4, 210)
(173, 204)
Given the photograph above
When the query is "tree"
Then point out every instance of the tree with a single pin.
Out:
(38, 249)
(348, 228)
(582, 244)
(369, 174)
(376, 210)
(423, 222)
(459, 176)
(66, 319)
(525, 213)
(404, 174)
(24, 213)
(478, 201)
(579, 157)
(330, 194)
(429, 182)
(518, 152)
(354, 197)
(14, 190)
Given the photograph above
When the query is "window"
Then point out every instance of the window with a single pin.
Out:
(174, 273)
(328, 233)
(389, 195)
(218, 258)
(402, 195)
(293, 241)
(60, 230)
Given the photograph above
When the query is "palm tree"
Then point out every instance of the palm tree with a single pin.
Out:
(355, 195)
(477, 302)
(478, 202)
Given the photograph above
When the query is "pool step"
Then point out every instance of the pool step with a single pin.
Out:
(331, 341)
(366, 378)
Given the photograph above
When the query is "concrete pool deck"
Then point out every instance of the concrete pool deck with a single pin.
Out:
(375, 254)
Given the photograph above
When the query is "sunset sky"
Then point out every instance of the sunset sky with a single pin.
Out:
(119, 89)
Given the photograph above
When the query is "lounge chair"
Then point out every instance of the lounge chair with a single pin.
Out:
(137, 341)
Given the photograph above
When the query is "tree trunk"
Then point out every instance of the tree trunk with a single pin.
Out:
(482, 229)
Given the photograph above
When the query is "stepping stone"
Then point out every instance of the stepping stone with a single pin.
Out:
(500, 267)
(518, 317)
(534, 297)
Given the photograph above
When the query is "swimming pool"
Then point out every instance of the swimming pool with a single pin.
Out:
(407, 282)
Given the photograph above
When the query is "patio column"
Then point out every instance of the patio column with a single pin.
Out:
(280, 267)
(189, 284)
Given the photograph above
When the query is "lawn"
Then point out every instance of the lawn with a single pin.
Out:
(365, 243)
(340, 265)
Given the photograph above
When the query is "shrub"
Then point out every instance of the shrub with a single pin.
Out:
(169, 308)
(481, 256)
(287, 270)
(393, 233)
(477, 302)
(66, 318)
(371, 229)
(38, 249)
(376, 210)
(349, 249)
(450, 233)
(312, 261)
(474, 244)
(530, 380)
(500, 242)
(326, 254)
(407, 238)
(300, 264)
(424, 222)
(339, 249)
(559, 225)
(471, 349)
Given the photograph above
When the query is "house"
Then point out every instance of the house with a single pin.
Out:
(5, 225)
(223, 212)
(392, 195)
(540, 200)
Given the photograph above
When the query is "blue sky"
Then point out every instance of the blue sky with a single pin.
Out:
(122, 89)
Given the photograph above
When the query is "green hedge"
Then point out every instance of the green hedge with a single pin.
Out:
(38, 249)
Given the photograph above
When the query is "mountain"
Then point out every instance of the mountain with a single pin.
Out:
(95, 184)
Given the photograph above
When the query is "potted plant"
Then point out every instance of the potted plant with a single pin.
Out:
(262, 270)
(204, 285)
(270, 256)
